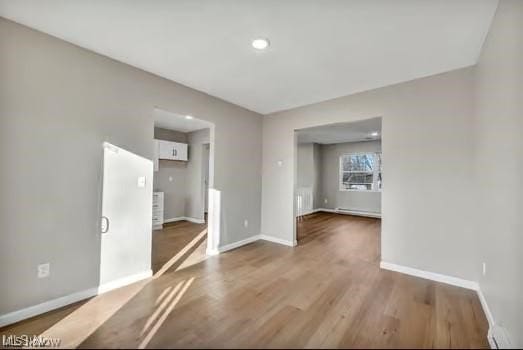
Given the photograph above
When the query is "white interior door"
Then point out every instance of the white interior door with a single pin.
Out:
(126, 215)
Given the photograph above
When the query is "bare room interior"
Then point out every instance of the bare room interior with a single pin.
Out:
(261, 174)
(339, 177)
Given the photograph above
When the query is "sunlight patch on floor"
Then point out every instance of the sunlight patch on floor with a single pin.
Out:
(84, 321)
(166, 314)
(81, 323)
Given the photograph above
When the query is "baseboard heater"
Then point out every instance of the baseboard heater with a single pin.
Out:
(358, 212)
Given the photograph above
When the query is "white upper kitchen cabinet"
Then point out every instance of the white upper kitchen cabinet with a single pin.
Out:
(172, 150)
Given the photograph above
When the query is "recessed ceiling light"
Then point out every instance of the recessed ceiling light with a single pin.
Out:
(260, 43)
(188, 117)
(375, 133)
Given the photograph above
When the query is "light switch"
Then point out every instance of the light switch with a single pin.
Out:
(280, 163)
(141, 181)
(44, 270)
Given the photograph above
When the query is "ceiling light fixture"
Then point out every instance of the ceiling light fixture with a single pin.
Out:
(375, 133)
(188, 117)
(260, 43)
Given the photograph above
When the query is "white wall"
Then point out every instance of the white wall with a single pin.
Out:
(427, 153)
(365, 201)
(58, 104)
(499, 168)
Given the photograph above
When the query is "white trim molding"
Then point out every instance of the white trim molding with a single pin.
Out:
(46, 306)
(186, 218)
(124, 281)
(455, 281)
(278, 240)
(348, 212)
(249, 240)
(238, 244)
(358, 213)
(53, 304)
(498, 337)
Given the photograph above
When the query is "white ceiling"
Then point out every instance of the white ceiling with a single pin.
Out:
(341, 132)
(172, 121)
(320, 49)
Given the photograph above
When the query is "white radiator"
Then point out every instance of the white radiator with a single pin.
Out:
(304, 201)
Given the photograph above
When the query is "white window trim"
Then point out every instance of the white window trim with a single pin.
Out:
(375, 172)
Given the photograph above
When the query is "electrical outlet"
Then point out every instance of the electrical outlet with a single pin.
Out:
(325, 201)
(245, 223)
(484, 269)
(44, 270)
(170, 179)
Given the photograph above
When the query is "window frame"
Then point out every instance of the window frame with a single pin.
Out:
(375, 172)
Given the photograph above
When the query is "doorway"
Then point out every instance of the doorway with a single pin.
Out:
(338, 171)
(181, 181)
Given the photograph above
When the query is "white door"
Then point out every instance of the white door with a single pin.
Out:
(126, 215)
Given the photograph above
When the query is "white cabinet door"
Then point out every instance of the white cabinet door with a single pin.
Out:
(172, 150)
(180, 151)
(166, 149)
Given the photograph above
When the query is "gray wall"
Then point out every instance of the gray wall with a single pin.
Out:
(353, 200)
(306, 165)
(318, 175)
(175, 190)
(499, 168)
(58, 104)
(427, 147)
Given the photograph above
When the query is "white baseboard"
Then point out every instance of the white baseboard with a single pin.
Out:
(186, 218)
(237, 244)
(349, 212)
(212, 251)
(455, 281)
(53, 304)
(308, 212)
(255, 238)
(278, 240)
(498, 337)
(124, 281)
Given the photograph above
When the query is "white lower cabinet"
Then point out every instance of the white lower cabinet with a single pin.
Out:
(157, 210)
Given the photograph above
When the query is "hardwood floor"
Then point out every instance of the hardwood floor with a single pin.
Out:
(327, 292)
(172, 239)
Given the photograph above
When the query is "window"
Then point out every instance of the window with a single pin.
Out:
(360, 172)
